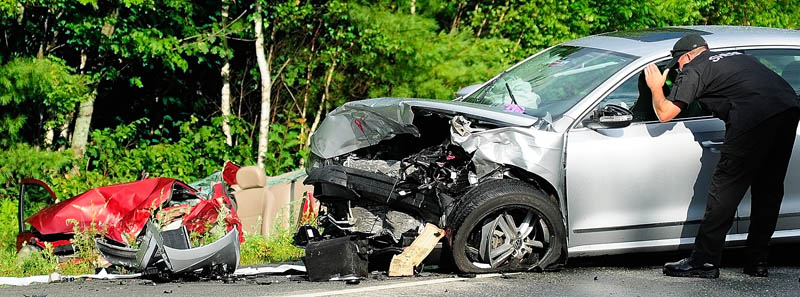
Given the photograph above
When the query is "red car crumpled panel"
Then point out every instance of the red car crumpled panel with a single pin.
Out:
(206, 213)
(116, 209)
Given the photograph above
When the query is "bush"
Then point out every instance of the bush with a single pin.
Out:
(8, 225)
(128, 150)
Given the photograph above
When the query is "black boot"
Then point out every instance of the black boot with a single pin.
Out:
(757, 269)
(685, 268)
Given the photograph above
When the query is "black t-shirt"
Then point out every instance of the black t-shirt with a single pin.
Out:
(735, 87)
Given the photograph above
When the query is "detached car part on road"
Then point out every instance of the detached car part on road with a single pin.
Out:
(557, 157)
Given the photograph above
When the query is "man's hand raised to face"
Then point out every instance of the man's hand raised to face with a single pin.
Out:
(655, 79)
(665, 109)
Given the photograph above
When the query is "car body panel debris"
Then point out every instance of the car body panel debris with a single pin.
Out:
(206, 209)
(220, 257)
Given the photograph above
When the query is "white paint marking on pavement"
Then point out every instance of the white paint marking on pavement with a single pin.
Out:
(400, 285)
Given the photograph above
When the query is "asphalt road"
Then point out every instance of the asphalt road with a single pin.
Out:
(628, 275)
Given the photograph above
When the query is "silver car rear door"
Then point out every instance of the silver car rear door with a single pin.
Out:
(786, 62)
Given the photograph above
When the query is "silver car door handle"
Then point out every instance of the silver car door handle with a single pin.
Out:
(711, 143)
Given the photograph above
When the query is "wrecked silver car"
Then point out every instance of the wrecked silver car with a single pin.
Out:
(556, 157)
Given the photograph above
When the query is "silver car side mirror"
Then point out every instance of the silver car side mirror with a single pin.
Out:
(467, 90)
(610, 116)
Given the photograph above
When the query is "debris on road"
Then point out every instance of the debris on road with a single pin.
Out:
(338, 257)
(282, 269)
(404, 263)
(159, 258)
(57, 277)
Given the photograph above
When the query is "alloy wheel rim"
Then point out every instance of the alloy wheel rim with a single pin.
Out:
(514, 234)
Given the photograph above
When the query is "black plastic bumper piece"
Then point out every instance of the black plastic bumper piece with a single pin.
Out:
(339, 257)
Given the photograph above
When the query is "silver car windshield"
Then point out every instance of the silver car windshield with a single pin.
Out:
(552, 82)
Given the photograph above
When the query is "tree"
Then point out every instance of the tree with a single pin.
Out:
(266, 85)
(225, 100)
(42, 90)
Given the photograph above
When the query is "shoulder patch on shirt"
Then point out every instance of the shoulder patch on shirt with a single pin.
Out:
(717, 57)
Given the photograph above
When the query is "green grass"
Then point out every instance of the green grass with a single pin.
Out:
(258, 249)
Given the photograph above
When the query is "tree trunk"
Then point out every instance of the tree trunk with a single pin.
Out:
(322, 104)
(49, 136)
(304, 108)
(64, 133)
(225, 100)
(413, 7)
(80, 135)
(263, 68)
(457, 19)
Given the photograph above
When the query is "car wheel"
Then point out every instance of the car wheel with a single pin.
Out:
(506, 225)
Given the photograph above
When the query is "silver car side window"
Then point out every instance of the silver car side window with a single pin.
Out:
(785, 62)
(635, 95)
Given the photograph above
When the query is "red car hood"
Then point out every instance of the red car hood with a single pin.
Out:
(117, 209)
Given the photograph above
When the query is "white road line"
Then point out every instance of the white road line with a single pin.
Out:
(400, 285)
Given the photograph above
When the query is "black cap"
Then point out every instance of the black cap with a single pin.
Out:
(687, 43)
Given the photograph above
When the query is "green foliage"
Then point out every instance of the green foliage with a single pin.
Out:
(36, 88)
(628, 14)
(285, 148)
(780, 13)
(86, 257)
(128, 150)
(405, 56)
(8, 225)
(23, 161)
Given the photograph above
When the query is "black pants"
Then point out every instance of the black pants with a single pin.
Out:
(757, 159)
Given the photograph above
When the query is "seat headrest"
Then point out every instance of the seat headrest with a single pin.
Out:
(249, 177)
(791, 73)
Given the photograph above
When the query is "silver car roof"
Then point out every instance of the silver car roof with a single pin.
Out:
(659, 41)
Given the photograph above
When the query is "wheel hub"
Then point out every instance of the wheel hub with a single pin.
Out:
(517, 244)
(510, 235)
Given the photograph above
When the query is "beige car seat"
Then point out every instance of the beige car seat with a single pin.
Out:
(289, 190)
(264, 208)
(252, 197)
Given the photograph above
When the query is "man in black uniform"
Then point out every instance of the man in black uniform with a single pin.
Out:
(761, 112)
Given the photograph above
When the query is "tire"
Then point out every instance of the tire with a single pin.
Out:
(536, 241)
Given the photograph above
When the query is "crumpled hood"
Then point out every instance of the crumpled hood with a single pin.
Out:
(365, 123)
(123, 208)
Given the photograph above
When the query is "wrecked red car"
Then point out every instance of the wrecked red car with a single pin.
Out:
(123, 212)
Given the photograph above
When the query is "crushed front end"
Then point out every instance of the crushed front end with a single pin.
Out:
(384, 168)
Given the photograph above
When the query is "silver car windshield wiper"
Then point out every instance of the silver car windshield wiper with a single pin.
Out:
(513, 100)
